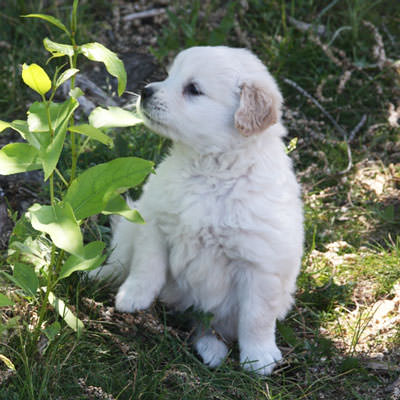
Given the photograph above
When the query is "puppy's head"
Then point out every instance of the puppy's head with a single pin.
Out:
(213, 99)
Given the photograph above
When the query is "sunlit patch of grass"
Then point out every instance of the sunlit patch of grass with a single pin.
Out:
(353, 294)
(378, 264)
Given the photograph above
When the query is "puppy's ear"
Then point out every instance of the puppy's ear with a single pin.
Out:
(258, 109)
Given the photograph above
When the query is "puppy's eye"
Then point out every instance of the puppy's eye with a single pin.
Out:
(192, 89)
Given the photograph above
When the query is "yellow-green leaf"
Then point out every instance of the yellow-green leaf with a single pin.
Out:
(69, 73)
(4, 125)
(113, 117)
(36, 78)
(58, 49)
(66, 314)
(8, 362)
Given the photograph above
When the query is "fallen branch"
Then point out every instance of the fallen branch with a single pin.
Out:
(304, 26)
(357, 128)
(382, 366)
(318, 104)
(144, 14)
(346, 137)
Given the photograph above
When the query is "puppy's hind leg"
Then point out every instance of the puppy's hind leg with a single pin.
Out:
(211, 348)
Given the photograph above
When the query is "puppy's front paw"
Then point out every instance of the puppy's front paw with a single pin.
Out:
(133, 297)
(211, 349)
(260, 358)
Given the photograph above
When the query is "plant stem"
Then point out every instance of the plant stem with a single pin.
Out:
(61, 177)
(59, 262)
(51, 282)
(83, 147)
(52, 201)
(47, 105)
(74, 147)
(53, 248)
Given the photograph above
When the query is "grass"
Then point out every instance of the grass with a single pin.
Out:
(338, 341)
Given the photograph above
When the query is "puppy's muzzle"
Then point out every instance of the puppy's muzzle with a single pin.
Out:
(145, 96)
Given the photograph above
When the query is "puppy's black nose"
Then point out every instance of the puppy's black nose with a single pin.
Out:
(146, 93)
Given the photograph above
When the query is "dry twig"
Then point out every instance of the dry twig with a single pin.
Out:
(144, 14)
(346, 137)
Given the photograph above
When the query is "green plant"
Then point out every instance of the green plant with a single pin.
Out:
(47, 244)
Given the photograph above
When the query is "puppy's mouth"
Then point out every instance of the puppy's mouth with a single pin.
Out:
(147, 115)
(153, 123)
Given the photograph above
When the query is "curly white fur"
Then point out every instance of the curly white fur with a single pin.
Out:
(224, 223)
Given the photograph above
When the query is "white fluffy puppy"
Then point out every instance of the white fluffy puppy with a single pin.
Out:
(224, 224)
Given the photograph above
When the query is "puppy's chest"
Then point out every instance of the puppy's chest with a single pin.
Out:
(201, 206)
(197, 206)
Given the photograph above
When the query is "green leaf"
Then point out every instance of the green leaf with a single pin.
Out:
(52, 330)
(50, 19)
(4, 125)
(118, 205)
(66, 314)
(51, 154)
(28, 245)
(37, 115)
(25, 278)
(60, 114)
(113, 117)
(31, 251)
(5, 301)
(92, 132)
(58, 49)
(25, 275)
(76, 92)
(91, 259)
(20, 126)
(18, 157)
(36, 78)
(69, 73)
(115, 67)
(22, 230)
(59, 222)
(23, 129)
(90, 192)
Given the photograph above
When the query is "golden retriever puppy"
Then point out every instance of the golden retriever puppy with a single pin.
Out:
(224, 220)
